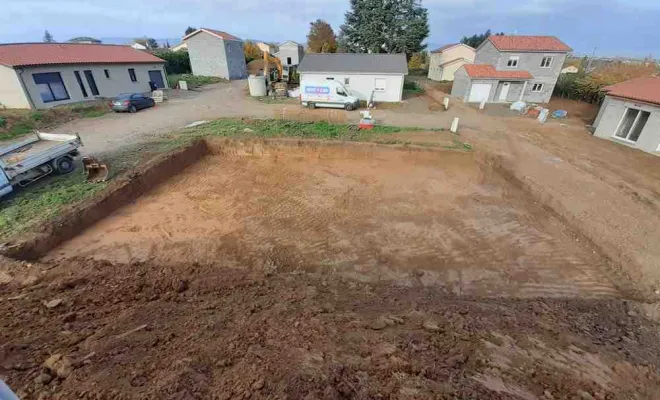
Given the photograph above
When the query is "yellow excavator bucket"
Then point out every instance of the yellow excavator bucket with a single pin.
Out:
(95, 171)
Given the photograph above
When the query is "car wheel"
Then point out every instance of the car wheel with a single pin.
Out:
(64, 165)
(311, 105)
(132, 109)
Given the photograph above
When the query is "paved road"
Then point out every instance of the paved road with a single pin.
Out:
(112, 131)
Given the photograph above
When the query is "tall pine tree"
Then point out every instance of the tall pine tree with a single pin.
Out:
(384, 26)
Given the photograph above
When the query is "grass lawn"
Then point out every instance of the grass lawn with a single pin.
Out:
(194, 81)
(31, 206)
(15, 123)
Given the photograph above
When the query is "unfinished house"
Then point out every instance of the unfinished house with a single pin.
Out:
(512, 68)
(630, 114)
(216, 53)
(446, 60)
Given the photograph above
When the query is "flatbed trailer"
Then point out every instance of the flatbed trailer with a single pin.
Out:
(31, 158)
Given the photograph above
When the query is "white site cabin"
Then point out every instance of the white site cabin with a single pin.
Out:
(368, 77)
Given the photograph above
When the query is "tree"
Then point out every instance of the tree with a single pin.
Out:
(48, 38)
(476, 40)
(190, 30)
(418, 61)
(167, 44)
(384, 26)
(321, 38)
(84, 39)
(251, 51)
(149, 43)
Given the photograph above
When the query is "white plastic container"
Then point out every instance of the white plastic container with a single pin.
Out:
(257, 85)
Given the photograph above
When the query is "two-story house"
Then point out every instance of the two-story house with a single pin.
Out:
(290, 53)
(445, 61)
(512, 68)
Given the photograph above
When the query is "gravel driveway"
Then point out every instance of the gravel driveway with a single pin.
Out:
(114, 130)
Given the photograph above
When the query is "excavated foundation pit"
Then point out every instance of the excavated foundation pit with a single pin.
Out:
(412, 216)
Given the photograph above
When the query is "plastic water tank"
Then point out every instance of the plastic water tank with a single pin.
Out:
(257, 85)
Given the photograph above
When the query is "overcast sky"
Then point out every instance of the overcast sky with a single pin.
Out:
(614, 27)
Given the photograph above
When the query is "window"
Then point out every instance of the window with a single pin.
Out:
(131, 73)
(546, 62)
(341, 92)
(632, 124)
(379, 84)
(288, 60)
(347, 81)
(82, 87)
(51, 87)
(513, 61)
(107, 73)
(92, 83)
(537, 87)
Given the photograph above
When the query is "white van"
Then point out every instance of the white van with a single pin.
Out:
(327, 94)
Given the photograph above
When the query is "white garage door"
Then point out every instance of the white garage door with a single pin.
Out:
(479, 92)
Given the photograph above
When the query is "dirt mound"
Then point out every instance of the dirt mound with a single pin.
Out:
(146, 331)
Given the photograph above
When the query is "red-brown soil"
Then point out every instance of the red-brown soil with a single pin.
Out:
(315, 270)
(195, 331)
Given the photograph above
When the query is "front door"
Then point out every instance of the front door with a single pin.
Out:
(157, 78)
(504, 91)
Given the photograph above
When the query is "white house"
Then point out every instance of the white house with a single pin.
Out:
(375, 77)
(630, 114)
(44, 75)
(267, 47)
(290, 53)
(138, 46)
(180, 46)
(446, 60)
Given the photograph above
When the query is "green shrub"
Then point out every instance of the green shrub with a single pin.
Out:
(194, 81)
(3, 122)
(579, 87)
(176, 62)
(37, 116)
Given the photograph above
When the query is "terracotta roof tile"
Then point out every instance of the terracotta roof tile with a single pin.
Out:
(220, 34)
(528, 43)
(487, 71)
(27, 54)
(641, 89)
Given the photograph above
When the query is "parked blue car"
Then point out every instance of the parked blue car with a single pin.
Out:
(131, 102)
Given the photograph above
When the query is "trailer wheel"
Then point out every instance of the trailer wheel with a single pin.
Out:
(64, 165)
(311, 105)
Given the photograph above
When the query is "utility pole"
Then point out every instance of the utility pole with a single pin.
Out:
(588, 67)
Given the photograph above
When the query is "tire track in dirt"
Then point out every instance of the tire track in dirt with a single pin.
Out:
(415, 218)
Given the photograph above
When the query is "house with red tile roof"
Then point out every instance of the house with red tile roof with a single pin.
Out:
(512, 68)
(630, 114)
(44, 75)
(446, 60)
(216, 53)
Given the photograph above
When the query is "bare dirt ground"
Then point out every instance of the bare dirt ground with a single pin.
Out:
(329, 271)
(360, 211)
(196, 331)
